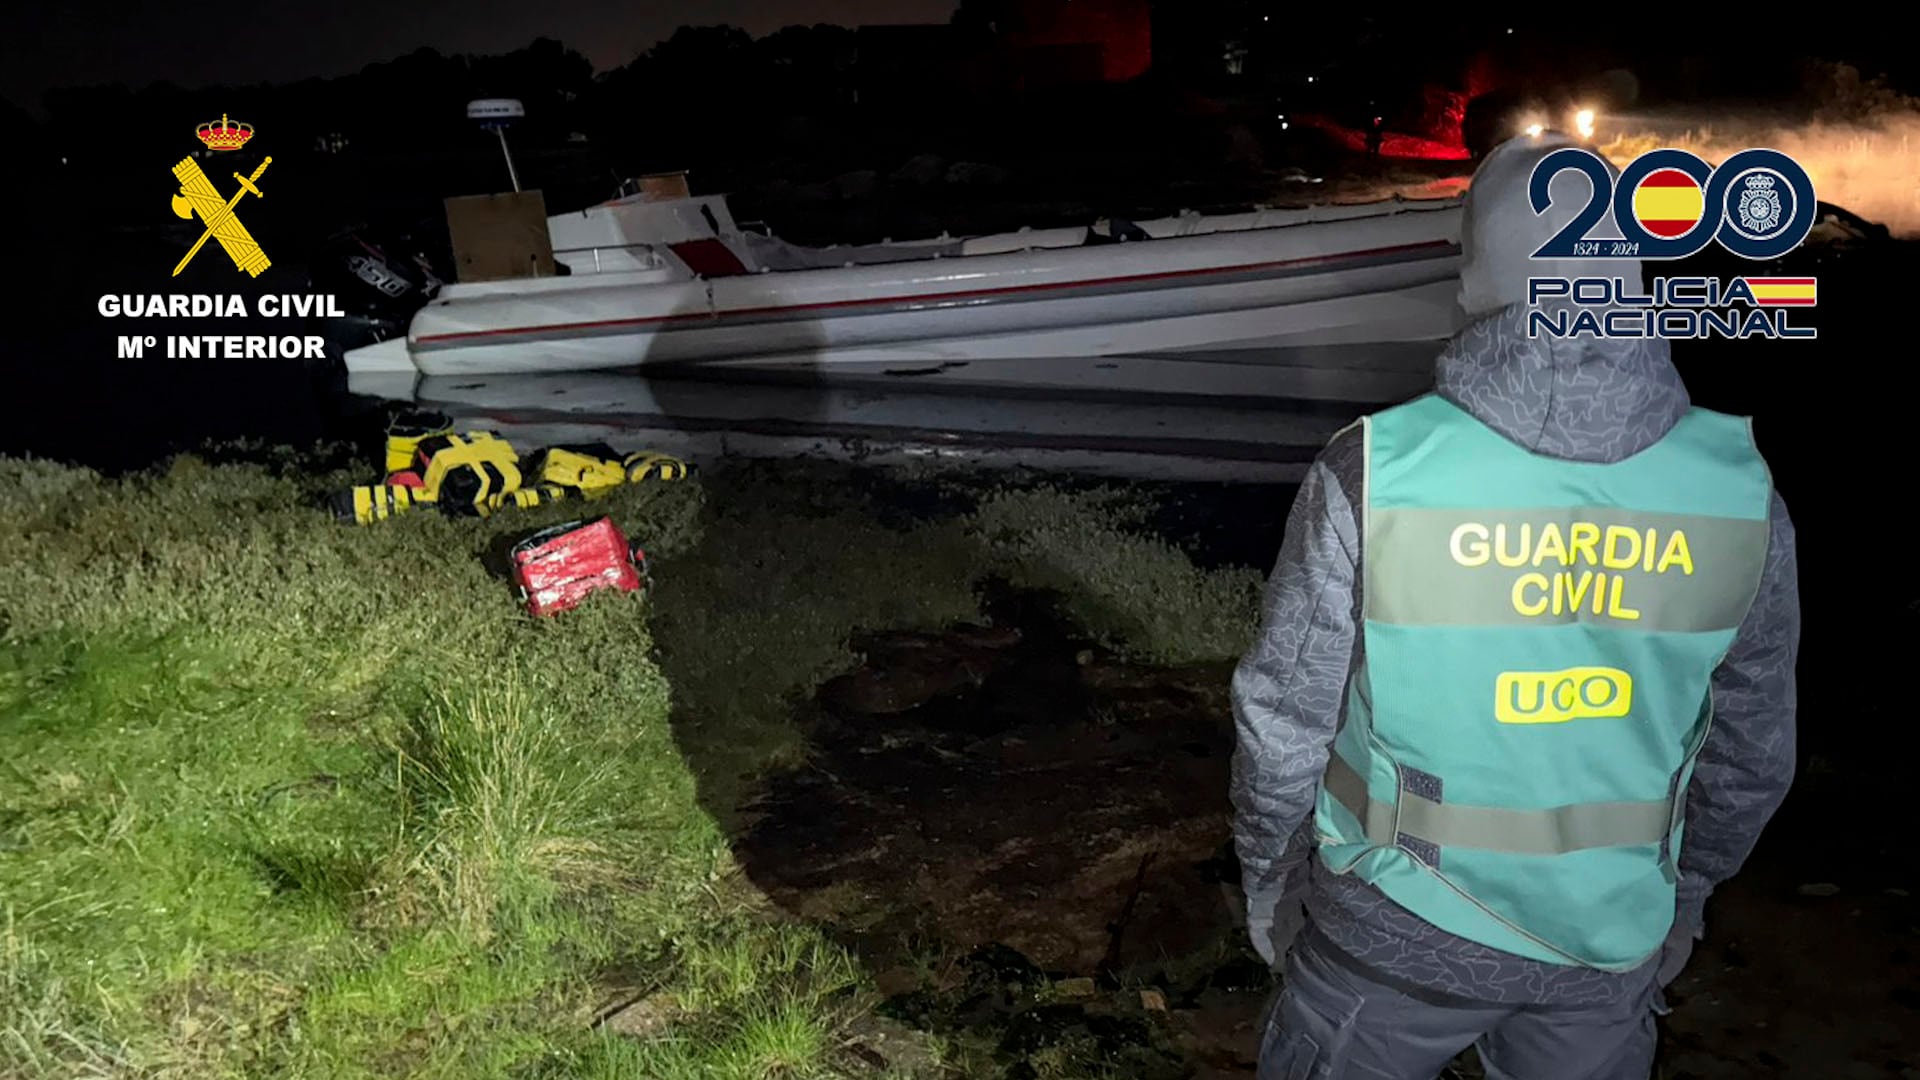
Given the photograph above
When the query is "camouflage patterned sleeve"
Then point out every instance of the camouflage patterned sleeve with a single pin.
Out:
(1289, 688)
(1747, 763)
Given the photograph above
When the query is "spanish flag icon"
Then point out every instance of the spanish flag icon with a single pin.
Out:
(1668, 202)
(1782, 291)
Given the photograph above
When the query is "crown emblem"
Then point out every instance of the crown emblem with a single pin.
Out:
(224, 135)
(1759, 182)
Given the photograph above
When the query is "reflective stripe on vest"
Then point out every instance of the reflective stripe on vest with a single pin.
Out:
(1540, 637)
(1492, 828)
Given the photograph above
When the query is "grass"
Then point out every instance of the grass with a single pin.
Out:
(1135, 592)
(289, 798)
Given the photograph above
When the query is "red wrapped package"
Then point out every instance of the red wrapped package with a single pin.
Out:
(556, 568)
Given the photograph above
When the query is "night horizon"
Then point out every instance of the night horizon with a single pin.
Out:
(128, 45)
(135, 45)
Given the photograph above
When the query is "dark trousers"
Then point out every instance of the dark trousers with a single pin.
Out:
(1331, 1022)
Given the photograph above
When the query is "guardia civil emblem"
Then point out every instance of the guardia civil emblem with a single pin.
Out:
(199, 197)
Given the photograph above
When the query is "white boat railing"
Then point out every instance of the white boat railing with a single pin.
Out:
(763, 254)
(1191, 223)
(635, 256)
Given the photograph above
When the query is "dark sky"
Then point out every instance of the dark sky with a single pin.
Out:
(196, 42)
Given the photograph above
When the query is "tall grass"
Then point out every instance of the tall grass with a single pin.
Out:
(501, 810)
(288, 798)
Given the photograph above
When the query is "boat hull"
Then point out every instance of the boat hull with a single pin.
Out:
(1384, 277)
(1221, 348)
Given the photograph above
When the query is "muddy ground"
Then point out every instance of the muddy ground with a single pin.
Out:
(1027, 839)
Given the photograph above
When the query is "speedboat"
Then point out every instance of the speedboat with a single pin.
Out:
(652, 281)
(1213, 339)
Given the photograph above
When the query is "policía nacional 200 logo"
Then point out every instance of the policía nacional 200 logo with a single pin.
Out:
(1758, 204)
(1668, 204)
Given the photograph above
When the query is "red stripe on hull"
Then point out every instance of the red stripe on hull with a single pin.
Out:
(963, 294)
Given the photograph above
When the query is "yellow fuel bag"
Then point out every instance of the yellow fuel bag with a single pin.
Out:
(459, 473)
(478, 472)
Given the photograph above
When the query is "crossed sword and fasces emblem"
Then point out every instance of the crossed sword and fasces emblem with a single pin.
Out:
(197, 196)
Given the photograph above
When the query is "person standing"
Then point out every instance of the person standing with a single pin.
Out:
(1523, 694)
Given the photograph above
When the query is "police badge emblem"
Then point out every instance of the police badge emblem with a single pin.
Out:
(1759, 208)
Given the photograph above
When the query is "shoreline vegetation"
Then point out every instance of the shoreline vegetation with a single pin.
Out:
(289, 798)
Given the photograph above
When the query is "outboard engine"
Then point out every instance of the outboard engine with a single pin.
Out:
(380, 280)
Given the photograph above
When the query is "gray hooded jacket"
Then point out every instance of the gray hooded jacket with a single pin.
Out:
(1581, 400)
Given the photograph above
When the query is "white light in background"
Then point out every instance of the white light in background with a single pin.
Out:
(1535, 130)
(1583, 123)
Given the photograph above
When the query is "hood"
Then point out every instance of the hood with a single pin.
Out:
(1577, 399)
(1499, 232)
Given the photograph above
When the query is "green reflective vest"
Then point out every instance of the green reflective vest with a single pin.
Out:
(1540, 640)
